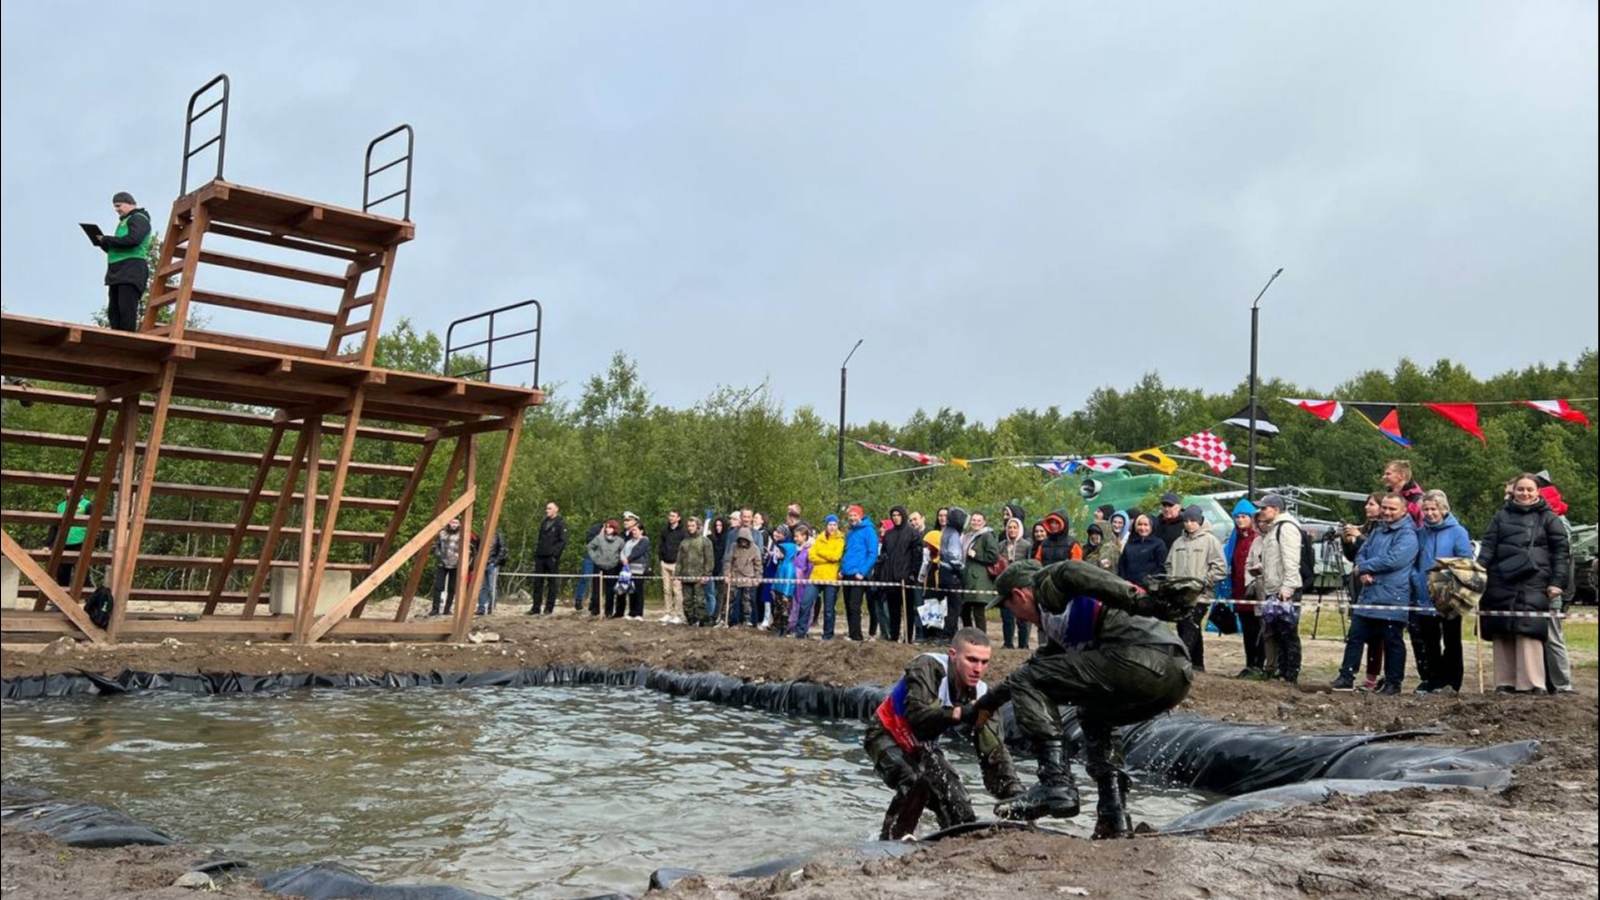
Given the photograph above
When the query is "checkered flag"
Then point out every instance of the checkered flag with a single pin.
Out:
(1211, 450)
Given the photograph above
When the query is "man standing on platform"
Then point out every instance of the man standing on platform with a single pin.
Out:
(127, 262)
(547, 560)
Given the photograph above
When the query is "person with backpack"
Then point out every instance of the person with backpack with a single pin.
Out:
(1280, 579)
(1436, 638)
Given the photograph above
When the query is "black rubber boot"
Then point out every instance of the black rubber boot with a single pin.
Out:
(1111, 810)
(1056, 794)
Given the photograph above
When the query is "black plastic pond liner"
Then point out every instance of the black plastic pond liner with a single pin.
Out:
(325, 881)
(1288, 795)
(74, 824)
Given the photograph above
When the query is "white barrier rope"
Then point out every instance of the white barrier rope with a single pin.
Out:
(1340, 606)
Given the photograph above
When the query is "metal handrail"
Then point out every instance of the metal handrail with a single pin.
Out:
(191, 117)
(367, 203)
(489, 367)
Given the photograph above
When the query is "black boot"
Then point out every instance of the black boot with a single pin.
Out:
(1111, 810)
(1056, 794)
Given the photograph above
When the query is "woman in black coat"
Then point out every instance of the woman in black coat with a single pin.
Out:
(1527, 555)
(1144, 555)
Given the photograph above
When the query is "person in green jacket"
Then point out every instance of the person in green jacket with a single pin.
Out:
(981, 549)
(75, 535)
(1108, 656)
(127, 262)
(696, 559)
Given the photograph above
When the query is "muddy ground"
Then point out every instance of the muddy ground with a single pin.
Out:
(1538, 839)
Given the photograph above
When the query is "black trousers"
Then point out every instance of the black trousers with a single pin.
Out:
(546, 591)
(1255, 653)
(122, 306)
(853, 595)
(1192, 633)
(1436, 642)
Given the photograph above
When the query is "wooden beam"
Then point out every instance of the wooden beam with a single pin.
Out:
(264, 307)
(209, 625)
(69, 511)
(284, 241)
(316, 410)
(403, 509)
(246, 513)
(102, 494)
(482, 426)
(47, 586)
(198, 226)
(491, 522)
(258, 344)
(185, 526)
(391, 565)
(196, 491)
(196, 454)
(330, 520)
(446, 489)
(304, 598)
(144, 384)
(464, 586)
(262, 267)
(379, 294)
(122, 556)
(147, 477)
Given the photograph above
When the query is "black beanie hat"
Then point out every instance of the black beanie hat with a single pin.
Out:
(1107, 510)
(124, 197)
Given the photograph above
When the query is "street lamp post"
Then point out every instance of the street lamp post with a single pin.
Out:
(1255, 334)
(843, 369)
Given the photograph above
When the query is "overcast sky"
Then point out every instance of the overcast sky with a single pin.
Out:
(1013, 203)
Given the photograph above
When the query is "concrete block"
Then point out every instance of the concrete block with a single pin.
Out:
(285, 584)
(10, 580)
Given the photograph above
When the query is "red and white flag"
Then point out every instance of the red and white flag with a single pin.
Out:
(1211, 450)
(1561, 409)
(1326, 410)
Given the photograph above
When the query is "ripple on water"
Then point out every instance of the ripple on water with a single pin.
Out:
(528, 793)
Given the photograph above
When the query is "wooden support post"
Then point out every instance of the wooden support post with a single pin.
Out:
(169, 252)
(466, 590)
(247, 511)
(305, 613)
(380, 293)
(308, 522)
(199, 224)
(74, 493)
(47, 586)
(415, 578)
(125, 492)
(147, 479)
(280, 512)
(418, 544)
(102, 493)
(407, 495)
(490, 523)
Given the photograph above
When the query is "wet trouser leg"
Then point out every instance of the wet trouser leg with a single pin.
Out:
(921, 780)
(1193, 636)
(1103, 758)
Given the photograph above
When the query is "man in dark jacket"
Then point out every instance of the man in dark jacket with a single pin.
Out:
(667, 551)
(498, 554)
(901, 560)
(1059, 544)
(1108, 657)
(935, 697)
(547, 552)
(1169, 526)
(127, 262)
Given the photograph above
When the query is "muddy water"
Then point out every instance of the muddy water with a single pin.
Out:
(530, 794)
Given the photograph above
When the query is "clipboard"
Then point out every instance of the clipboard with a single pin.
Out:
(93, 231)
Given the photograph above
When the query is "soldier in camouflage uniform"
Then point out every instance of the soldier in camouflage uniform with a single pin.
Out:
(935, 696)
(1108, 656)
(696, 557)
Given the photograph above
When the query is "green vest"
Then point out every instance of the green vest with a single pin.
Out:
(76, 533)
(117, 254)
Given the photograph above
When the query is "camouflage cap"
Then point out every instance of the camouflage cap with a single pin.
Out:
(1017, 575)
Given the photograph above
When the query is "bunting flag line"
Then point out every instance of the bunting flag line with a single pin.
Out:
(1211, 450)
(1561, 409)
(1052, 466)
(1326, 410)
(1385, 417)
(1096, 464)
(1155, 459)
(921, 459)
(1241, 419)
(1462, 415)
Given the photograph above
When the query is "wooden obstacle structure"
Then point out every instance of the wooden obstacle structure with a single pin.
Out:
(131, 385)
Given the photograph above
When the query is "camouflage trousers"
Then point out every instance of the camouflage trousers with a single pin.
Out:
(922, 780)
(694, 603)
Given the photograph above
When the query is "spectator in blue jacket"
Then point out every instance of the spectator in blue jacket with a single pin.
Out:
(860, 555)
(1384, 566)
(1435, 640)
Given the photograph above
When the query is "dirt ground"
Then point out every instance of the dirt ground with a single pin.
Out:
(36, 867)
(1538, 839)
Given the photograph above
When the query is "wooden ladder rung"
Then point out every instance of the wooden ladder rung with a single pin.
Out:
(356, 328)
(170, 270)
(159, 300)
(261, 267)
(266, 307)
(358, 302)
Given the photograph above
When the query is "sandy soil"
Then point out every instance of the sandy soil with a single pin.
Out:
(36, 867)
(1537, 839)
